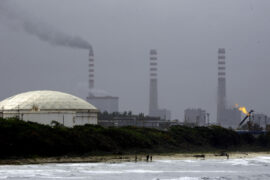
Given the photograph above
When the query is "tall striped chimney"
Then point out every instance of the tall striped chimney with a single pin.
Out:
(221, 91)
(153, 94)
(91, 69)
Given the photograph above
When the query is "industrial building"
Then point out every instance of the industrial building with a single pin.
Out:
(261, 120)
(232, 118)
(148, 122)
(130, 121)
(103, 101)
(154, 110)
(196, 117)
(226, 117)
(99, 98)
(44, 107)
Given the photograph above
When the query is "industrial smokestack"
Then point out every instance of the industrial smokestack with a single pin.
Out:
(153, 94)
(91, 69)
(221, 91)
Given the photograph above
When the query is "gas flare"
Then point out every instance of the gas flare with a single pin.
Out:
(242, 109)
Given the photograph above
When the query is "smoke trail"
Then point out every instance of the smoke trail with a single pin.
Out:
(48, 34)
(42, 31)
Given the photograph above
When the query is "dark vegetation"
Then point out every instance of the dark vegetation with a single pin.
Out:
(27, 139)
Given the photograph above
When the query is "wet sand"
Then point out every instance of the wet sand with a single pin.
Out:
(132, 158)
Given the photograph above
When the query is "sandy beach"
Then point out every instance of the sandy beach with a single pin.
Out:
(131, 158)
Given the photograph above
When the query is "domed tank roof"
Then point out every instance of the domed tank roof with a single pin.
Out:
(45, 100)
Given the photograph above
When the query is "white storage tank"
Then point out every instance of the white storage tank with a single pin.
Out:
(47, 106)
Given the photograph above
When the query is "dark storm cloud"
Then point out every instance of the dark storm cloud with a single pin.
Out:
(42, 31)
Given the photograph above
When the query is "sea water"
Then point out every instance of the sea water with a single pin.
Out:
(252, 168)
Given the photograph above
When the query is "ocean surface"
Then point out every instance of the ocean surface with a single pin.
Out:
(252, 168)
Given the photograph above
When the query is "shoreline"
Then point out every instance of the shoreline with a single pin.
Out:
(130, 158)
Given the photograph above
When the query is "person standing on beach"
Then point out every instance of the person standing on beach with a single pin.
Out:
(147, 157)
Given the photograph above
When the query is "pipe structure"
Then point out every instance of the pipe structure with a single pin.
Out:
(247, 116)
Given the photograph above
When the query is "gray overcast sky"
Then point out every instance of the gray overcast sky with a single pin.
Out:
(186, 33)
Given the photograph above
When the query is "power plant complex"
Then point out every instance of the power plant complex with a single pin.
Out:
(226, 117)
(157, 118)
(99, 98)
(105, 102)
(154, 110)
(46, 107)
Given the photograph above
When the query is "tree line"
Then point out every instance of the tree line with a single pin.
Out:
(28, 139)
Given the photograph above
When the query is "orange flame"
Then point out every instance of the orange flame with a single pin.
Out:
(242, 109)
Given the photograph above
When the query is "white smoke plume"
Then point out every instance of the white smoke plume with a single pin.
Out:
(40, 30)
